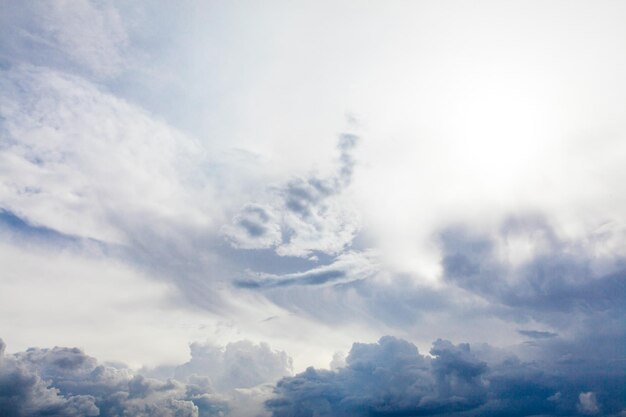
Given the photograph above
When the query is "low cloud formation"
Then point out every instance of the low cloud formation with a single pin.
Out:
(305, 214)
(67, 382)
(391, 378)
(24, 393)
(237, 365)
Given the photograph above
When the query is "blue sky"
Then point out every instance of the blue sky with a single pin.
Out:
(312, 208)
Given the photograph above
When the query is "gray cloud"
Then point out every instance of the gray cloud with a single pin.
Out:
(554, 376)
(24, 393)
(537, 334)
(348, 267)
(82, 168)
(67, 382)
(255, 227)
(53, 190)
(561, 277)
(304, 215)
(306, 278)
(391, 378)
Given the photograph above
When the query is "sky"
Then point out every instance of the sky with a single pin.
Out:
(278, 208)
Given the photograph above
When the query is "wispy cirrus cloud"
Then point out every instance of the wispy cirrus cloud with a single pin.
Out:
(347, 267)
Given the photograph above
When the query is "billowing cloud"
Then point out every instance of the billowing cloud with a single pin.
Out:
(392, 378)
(304, 215)
(24, 393)
(67, 382)
(237, 365)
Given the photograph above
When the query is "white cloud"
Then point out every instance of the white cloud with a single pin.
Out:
(85, 163)
(240, 364)
(83, 34)
(304, 215)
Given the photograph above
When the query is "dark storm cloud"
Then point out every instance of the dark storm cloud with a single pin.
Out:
(67, 382)
(391, 378)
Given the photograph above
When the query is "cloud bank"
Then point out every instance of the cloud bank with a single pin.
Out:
(67, 382)
(391, 378)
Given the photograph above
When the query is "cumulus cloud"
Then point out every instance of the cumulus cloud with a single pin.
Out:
(389, 377)
(392, 378)
(237, 365)
(304, 215)
(67, 382)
